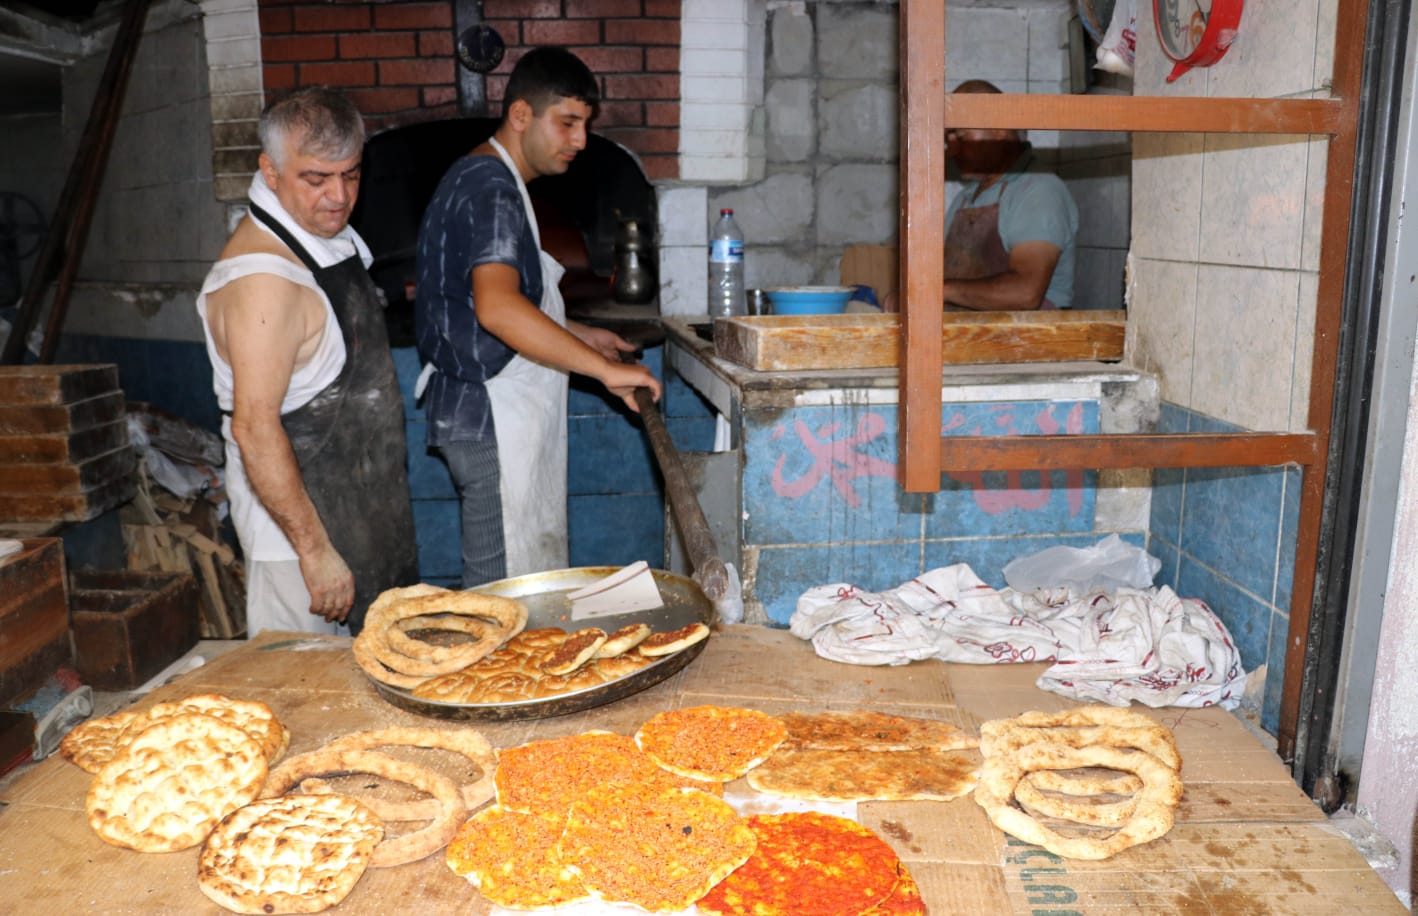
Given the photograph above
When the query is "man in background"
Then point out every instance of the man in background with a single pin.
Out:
(1009, 232)
(313, 418)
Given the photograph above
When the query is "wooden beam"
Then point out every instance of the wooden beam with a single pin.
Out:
(1129, 450)
(1145, 113)
(922, 270)
(1351, 23)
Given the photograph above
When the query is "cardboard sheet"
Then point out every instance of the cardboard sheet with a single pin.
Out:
(1247, 839)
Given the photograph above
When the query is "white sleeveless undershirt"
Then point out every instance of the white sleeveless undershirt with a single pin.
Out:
(261, 538)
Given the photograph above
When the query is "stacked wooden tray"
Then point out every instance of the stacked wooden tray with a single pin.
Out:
(64, 451)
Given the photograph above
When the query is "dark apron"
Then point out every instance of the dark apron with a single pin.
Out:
(349, 438)
(973, 247)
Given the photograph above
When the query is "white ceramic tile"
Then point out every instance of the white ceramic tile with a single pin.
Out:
(684, 279)
(1161, 325)
(1151, 67)
(700, 12)
(1104, 203)
(713, 142)
(1166, 195)
(711, 34)
(708, 87)
(1304, 351)
(1313, 227)
(1253, 200)
(1273, 55)
(693, 167)
(1245, 345)
(1324, 46)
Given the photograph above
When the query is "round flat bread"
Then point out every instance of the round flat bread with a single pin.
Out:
(716, 743)
(807, 864)
(174, 782)
(547, 777)
(296, 854)
(89, 745)
(660, 850)
(511, 859)
(251, 716)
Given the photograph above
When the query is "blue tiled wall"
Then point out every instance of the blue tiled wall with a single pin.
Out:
(822, 505)
(174, 375)
(1227, 537)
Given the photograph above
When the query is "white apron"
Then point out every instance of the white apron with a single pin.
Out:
(529, 413)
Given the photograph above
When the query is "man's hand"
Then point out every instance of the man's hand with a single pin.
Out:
(330, 583)
(621, 380)
(605, 342)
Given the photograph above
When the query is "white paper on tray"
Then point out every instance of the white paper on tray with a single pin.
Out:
(629, 589)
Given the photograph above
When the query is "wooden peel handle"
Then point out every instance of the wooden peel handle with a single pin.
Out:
(709, 570)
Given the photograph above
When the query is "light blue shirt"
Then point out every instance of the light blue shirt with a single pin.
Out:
(1035, 207)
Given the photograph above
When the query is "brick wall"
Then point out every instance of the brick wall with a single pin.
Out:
(397, 61)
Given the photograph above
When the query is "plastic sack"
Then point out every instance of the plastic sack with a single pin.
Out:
(1118, 51)
(1108, 565)
(729, 608)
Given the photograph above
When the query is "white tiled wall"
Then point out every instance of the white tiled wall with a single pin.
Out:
(1226, 228)
(721, 85)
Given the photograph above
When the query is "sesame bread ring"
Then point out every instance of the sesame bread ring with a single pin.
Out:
(507, 616)
(398, 851)
(400, 640)
(467, 742)
(1076, 808)
(1156, 801)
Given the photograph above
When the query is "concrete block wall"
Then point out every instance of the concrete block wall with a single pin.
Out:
(809, 160)
(1225, 253)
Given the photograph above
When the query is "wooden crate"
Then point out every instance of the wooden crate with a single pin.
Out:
(34, 617)
(775, 343)
(130, 625)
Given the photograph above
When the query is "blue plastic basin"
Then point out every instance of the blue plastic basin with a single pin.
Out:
(809, 300)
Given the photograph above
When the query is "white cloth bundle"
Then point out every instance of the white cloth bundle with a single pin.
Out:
(327, 252)
(1112, 647)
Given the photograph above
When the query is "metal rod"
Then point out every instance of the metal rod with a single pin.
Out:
(709, 570)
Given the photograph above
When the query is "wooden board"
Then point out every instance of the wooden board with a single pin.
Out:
(63, 447)
(55, 384)
(68, 478)
(34, 617)
(27, 419)
(775, 343)
(67, 507)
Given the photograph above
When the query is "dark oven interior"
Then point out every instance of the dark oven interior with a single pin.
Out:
(577, 212)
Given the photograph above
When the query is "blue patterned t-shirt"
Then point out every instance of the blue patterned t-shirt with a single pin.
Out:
(476, 217)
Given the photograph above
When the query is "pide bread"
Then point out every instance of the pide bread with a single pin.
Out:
(921, 773)
(294, 854)
(173, 782)
(251, 716)
(91, 744)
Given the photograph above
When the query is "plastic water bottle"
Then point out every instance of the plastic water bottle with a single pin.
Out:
(726, 267)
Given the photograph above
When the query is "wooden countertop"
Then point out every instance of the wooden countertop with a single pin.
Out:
(1246, 840)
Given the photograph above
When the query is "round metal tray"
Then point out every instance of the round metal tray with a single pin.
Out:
(544, 594)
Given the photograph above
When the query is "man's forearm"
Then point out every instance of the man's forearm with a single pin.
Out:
(274, 473)
(1005, 291)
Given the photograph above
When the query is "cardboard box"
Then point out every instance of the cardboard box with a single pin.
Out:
(130, 625)
(34, 617)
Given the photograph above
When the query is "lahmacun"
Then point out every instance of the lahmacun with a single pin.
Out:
(673, 641)
(866, 775)
(623, 640)
(580, 647)
(905, 900)
(390, 852)
(295, 854)
(173, 782)
(716, 743)
(251, 716)
(807, 864)
(511, 859)
(1156, 801)
(550, 775)
(658, 849)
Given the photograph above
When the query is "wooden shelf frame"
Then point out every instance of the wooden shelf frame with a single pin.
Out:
(925, 454)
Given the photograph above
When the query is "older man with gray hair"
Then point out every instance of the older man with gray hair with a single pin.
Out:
(313, 417)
